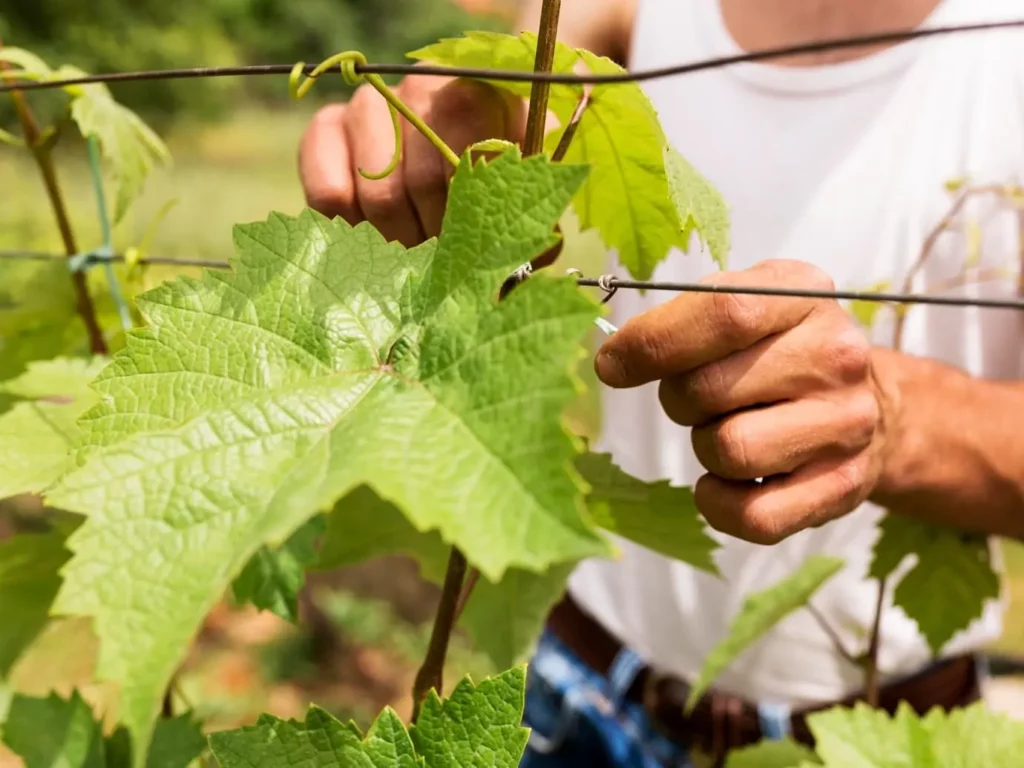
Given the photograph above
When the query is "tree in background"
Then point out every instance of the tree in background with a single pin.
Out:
(117, 35)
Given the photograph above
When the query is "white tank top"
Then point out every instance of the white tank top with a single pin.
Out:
(843, 166)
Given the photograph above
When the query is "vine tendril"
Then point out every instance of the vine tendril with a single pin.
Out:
(347, 62)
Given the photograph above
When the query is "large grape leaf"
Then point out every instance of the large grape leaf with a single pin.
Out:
(38, 433)
(655, 515)
(272, 578)
(29, 580)
(51, 732)
(642, 198)
(947, 587)
(759, 613)
(326, 360)
(862, 737)
(479, 725)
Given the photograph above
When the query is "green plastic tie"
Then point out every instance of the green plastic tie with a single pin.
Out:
(105, 253)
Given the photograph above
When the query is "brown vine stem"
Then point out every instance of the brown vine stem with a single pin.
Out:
(431, 672)
(833, 636)
(871, 660)
(570, 130)
(546, 38)
(929, 246)
(43, 155)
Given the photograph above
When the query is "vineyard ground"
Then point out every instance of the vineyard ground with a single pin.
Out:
(247, 663)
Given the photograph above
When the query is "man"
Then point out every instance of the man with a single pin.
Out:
(835, 167)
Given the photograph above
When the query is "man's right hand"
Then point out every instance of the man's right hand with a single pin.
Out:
(408, 205)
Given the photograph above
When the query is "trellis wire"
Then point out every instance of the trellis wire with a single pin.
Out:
(521, 76)
(609, 284)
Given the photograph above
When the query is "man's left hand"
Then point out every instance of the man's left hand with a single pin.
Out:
(774, 387)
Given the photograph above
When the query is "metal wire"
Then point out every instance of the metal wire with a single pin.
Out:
(520, 76)
(118, 258)
(609, 284)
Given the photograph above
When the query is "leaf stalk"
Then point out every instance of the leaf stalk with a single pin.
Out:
(431, 672)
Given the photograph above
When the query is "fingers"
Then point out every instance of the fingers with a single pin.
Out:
(698, 328)
(816, 356)
(461, 112)
(407, 205)
(325, 165)
(766, 513)
(780, 439)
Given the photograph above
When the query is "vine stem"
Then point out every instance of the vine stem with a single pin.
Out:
(539, 92)
(431, 672)
(871, 660)
(43, 155)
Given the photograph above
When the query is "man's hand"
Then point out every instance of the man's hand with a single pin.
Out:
(408, 205)
(774, 387)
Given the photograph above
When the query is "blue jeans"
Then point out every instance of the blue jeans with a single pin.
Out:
(581, 718)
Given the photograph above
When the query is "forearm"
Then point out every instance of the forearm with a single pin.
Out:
(954, 448)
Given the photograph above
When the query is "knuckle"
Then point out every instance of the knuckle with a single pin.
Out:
(465, 111)
(848, 355)
(738, 316)
(850, 478)
(761, 523)
(731, 445)
(864, 415)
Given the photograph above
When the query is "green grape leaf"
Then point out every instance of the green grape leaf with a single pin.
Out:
(626, 196)
(478, 726)
(177, 741)
(504, 619)
(272, 578)
(59, 378)
(642, 197)
(130, 146)
(655, 515)
(948, 586)
(51, 732)
(494, 50)
(29, 580)
(759, 613)
(862, 737)
(700, 206)
(38, 433)
(326, 360)
(784, 753)
(974, 736)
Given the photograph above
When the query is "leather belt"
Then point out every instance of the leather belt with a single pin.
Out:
(720, 722)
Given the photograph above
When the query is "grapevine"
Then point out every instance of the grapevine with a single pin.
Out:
(331, 396)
